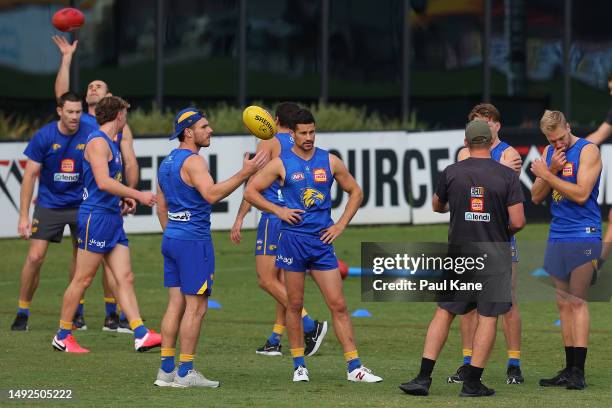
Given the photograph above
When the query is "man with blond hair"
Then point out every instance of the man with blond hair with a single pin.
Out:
(570, 170)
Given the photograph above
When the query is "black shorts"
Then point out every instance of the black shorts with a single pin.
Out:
(487, 309)
(48, 223)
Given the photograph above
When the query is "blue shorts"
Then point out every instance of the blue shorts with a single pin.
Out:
(302, 252)
(267, 235)
(563, 255)
(189, 264)
(100, 232)
(514, 248)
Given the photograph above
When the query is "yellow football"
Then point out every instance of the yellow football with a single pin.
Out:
(259, 122)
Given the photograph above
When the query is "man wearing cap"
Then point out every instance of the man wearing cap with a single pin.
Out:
(485, 201)
(186, 191)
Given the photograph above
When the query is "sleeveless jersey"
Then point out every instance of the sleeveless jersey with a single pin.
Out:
(188, 211)
(273, 193)
(496, 153)
(307, 186)
(94, 199)
(570, 219)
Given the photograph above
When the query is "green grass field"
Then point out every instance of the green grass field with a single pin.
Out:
(390, 342)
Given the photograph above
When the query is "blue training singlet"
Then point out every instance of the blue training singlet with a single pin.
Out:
(188, 211)
(94, 199)
(273, 193)
(570, 219)
(497, 151)
(307, 187)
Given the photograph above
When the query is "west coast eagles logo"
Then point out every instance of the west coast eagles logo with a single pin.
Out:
(310, 197)
(556, 196)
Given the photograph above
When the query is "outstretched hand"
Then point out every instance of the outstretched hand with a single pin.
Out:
(64, 46)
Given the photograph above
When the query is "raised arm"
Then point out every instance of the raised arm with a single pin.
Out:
(195, 173)
(24, 227)
(272, 146)
(589, 171)
(540, 188)
(601, 134)
(62, 80)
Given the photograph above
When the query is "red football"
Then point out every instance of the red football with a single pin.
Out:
(68, 19)
(343, 268)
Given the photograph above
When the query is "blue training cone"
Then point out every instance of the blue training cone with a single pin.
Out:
(539, 272)
(558, 322)
(361, 313)
(213, 304)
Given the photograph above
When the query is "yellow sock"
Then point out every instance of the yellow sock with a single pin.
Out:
(516, 354)
(168, 352)
(24, 305)
(82, 301)
(304, 312)
(467, 352)
(297, 352)
(351, 355)
(278, 329)
(109, 300)
(135, 323)
(186, 358)
(65, 325)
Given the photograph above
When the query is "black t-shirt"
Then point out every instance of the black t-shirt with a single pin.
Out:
(479, 192)
(609, 117)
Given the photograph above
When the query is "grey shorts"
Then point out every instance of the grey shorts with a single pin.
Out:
(487, 309)
(48, 223)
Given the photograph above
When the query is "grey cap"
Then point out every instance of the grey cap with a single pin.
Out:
(478, 132)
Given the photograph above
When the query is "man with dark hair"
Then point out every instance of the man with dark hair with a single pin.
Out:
(186, 192)
(269, 276)
(505, 154)
(96, 90)
(56, 154)
(305, 175)
(467, 189)
(100, 228)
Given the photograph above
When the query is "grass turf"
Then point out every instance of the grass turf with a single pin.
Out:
(390, 342)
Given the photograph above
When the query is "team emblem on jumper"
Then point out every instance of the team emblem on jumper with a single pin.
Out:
(320, 176)
(568, 169)
(119, 177)
(556, 196)
(310, 197)
(67, 166)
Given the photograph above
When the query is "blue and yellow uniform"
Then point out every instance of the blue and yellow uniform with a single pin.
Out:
(496, 154)
(575, 230)
(100, 222)
(60, 189)
(307, 186)
(189, 256)
(268, 229)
